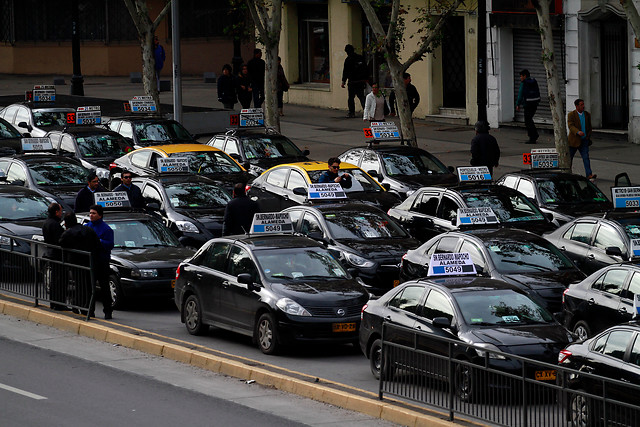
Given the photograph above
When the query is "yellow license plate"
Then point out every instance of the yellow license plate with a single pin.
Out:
(396, 283)
(173, 283)
(549, 375)
(344, 327)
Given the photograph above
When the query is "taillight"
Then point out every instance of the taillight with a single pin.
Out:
(247, 188)
(178, 271)
(563, 356)
(563, 294)
(362, 311)
(112, 166)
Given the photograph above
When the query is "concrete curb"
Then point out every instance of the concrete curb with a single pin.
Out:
(385, 410)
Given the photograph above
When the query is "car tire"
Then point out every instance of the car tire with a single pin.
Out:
(582, 330)
(580, 411)
(375, 358)
(117, 297)
(192, 310)
(267, 334)
(464, 381)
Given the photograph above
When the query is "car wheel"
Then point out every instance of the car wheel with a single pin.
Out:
(117, 298)
(193, 316)
(464, 381)
(580, 411)
(267, 334)
(375, 358)
(582, 330)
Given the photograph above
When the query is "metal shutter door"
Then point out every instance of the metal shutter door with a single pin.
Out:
(527, 54)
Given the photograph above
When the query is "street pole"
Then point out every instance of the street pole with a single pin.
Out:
(175, 49)
(76, 80)
(482, 60)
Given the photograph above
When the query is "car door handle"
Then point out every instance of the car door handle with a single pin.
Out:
(388, 318)
(199, 276)
(419, 327)
(622, 310)
(587, 369)
(226, 284)
(591, 256)
(591, 301)
(562, 248)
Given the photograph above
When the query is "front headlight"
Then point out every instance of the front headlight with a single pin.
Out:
(102, 173)
(144, 273)
(358, 261)
(491, 349)
(8, 241)
(289, 306)
(187, 227)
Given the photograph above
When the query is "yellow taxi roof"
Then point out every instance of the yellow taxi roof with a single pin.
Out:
(313, 165)
(180, 148)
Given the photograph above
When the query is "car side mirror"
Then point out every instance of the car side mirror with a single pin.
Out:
(246, 165)
(306, 152)
(25, 125)
(18, 182)
(613, 250)
(451, 169)
(245, 278)
(373, 173)
(300, 191)
(441, 322)
(153, 206)
(386, 186)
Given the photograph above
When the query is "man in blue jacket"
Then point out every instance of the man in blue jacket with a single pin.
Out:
(102, 257)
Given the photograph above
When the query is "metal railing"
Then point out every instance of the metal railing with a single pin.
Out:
(497, 387)
(43, 272)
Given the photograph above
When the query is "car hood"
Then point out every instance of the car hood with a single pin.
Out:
(101, 162)
(203, 215)
(575, 210)
(381, 248)
(25, 229)
(66, 193)
(384, 200)
(320, 292)
(422, 180)
(544, 280)
(153, 257)
(264, 164)
(509, 338)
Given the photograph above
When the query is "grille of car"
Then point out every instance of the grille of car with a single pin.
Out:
(167, 272)
(352, 310)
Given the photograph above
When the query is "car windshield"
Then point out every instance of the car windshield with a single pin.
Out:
(500, 307)
(161, 132)
(21, 207)
(141, 234)
(507, 207)
(570, 190)
(513, 256)
(631, 227)
(299, 263)
(360, 181)
(8, 131)
(49, 118)
(268, 147)
(362, 225)
(58, 173)
(207, 162)
(412, 164)
(196, 196)
(101, 146)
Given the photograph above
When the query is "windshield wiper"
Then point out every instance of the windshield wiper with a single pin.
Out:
(155, 245)
(528, 264)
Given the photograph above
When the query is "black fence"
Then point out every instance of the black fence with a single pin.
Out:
(499, 388)
(33, 269)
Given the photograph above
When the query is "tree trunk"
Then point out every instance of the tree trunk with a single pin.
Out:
(553, 85)
(271, 115)
(403, 109)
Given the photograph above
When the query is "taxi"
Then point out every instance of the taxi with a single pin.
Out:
(36, 119)
(9, 138)
(149, 130)
(203, 160)
(287, 185)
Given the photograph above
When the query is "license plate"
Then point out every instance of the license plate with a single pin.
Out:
(344, 327)
(396, 283)
(173, 283)
(549, 375)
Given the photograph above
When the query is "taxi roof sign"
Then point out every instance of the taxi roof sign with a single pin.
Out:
(43, 93)
(88, 115)
(544, 158)
(625, 197)
(451, 264)
(474, 174)
(382, 131)
(173, 164)
(112, 199)
(36, 144)
(326, 191)
(274, 222)
(248, 117)
(142, 104)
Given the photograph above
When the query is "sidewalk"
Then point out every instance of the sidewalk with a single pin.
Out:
(326, 132)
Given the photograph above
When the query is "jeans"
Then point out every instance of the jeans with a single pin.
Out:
(529, 111)
(584, 153)
(258, 96)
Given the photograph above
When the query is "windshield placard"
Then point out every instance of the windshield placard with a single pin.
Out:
(625, 197)
(329, 190)
(478, 173)
(275, 222)
(450, 264)
(472, 216)
(36, 144)
(115, 199)
(173, 164)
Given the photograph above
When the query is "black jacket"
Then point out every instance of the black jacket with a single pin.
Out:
(84, 198)
(238, 215)
(134, 194)
(412, 93)
(227, 90)
(80, 238)
(355, 69)
(51, 231)
(485, 151)
(256, 68)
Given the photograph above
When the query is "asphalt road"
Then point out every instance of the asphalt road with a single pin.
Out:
(49, 377)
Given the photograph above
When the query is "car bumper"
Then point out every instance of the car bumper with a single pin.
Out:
(318, 330)
(161, 288)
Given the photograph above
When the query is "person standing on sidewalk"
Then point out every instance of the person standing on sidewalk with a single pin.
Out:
(412, 94)
(159, 56)
(243, 87)
(356, 72)
(51, 231)
(227, 88)
(579, 122)
(256, 68)
(103, 257)
(529, 97)
(283, 86)
(85, 197)
(484, 147)
(376, 105)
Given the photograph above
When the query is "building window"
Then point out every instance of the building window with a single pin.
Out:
(314, 49)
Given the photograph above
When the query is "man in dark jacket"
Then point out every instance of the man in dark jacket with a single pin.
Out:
(103, 256)
(334, 175)
(529, 97)
(256, 68)
(132, 190)
(83, 239)
(85, 197)
(484, 147)
(51, 231)
(412, 94)
(355, 71)
(239, 212)
(227, 88)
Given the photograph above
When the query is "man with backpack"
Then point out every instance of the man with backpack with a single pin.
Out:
(529, 97)
(355, 70)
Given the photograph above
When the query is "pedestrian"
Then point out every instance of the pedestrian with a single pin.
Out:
(356, 72)
(227, 88)
(580, 129)
(282, 86)
(334, 175)
(85, 197)
(529, 97)
(412, 94)
(376, 106)
(133, 191)
(102, 259)
(84, 239)
(238, 215)
(159, 56)
(256, 68)
(484, 147)
(243, 87)
(51, 231)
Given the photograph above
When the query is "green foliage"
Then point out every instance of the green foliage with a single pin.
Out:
(240, 24)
